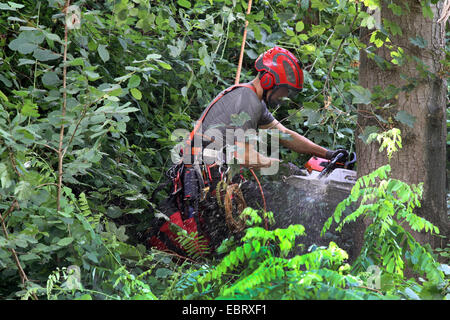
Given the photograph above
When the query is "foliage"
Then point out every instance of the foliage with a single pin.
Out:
(86, 125)
(259, 268)
(389, 204)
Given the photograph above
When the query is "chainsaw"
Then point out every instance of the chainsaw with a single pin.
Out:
(325, 166)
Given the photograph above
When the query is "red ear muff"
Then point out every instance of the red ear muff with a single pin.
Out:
(267, 81)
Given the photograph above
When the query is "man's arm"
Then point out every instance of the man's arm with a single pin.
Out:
(298, 143)
(251, 158)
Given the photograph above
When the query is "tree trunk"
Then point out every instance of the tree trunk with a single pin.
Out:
(423, 156)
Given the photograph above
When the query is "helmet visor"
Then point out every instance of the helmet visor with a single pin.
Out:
(278, 93)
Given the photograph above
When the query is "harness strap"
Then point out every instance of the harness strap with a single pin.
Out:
(200, 121)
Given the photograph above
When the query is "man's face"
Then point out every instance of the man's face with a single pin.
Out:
(275, 95)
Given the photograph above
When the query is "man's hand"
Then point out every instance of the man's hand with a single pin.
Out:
(333, 153)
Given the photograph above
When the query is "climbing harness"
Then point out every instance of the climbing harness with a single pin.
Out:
(191, 182)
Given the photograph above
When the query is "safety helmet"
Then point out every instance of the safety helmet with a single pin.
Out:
(279, 68)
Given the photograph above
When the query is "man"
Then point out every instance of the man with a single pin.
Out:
(205, 160)
(279, 76)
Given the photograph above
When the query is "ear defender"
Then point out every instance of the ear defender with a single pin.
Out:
(267, 81)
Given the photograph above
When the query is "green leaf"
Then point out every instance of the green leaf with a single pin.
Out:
(396, 9)
(163, 273)
(29, 109)
(50, 79)
(419, 42)
(134, 81)
(92, 76)
(165, 65)
(321, 5)
(361, 95)
(103, 52)
(45, 55)
(299, 26)
(3, 96)
(12, 6)
(136, 93)
(22, 46)
(184, 3)
(65, 241)
(247, 250)
(257, 245)
(289, 32)
(367, 132)
(411, 294)
(426, 10)
(405, 118)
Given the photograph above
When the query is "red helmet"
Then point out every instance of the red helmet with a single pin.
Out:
(279, 67)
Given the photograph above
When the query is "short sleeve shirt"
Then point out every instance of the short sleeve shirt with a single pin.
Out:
(240, 108)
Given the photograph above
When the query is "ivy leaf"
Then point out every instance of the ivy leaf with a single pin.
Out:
(419, 42)
(405, 118)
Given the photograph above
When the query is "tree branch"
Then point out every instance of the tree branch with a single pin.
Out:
(63, 111)
(22, 273)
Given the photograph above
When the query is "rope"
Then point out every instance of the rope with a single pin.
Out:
(234, 191)
(264, 198)
(244, 37)
(221, 186)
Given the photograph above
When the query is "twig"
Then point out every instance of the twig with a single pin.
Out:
(83, 114)
(22, 273)
(63, 112)
(333, 62)
(372, 289)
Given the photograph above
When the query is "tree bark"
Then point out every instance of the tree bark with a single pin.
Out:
(423, 156)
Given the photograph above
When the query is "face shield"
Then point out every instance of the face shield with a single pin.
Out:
(276, 95)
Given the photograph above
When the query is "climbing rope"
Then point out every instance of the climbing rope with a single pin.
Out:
(234, 192)
(263, 198)
(244, 37)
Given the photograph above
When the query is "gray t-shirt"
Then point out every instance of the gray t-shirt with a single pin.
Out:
(240, 108)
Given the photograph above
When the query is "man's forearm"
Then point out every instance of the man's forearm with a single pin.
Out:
(300, 144)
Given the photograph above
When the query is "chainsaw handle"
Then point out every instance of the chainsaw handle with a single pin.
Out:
(351, 161)
(331, 165)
